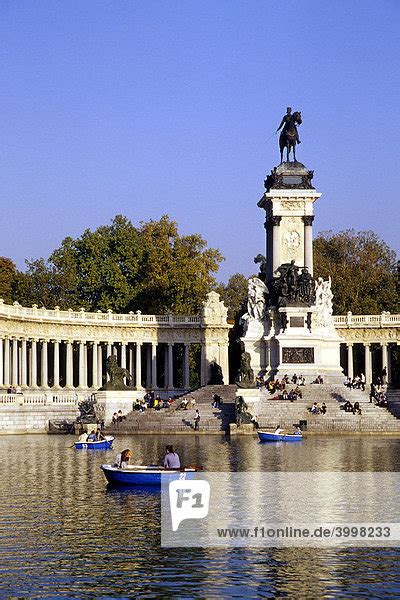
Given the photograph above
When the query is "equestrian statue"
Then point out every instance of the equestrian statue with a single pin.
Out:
(289, 135)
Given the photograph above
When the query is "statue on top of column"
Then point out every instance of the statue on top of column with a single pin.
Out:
(289, 136)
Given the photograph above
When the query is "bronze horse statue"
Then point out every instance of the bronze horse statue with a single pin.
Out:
(288, 137)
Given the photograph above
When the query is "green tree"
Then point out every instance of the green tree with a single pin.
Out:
(363, 271)
(122, 267)
(8, 279)
(234, 295)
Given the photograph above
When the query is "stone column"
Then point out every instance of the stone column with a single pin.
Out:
(56, 364)
(368, 370)
(1, 362)
(148, 366)
(308, 242)
(99, 365)
(14, 378)
(389, 367)
(44, 371)
(109, 352)
(7, 361)
(186, 370)
(276, 242)
(350, 367)
(385, 359)
(123, 357)
(203, 365)
(95, 375)
(138, 366)
(132, 365)
(81, 373)
(24, 380)
(33, 364)
(153, 365)
(69, 379)
(170, 371)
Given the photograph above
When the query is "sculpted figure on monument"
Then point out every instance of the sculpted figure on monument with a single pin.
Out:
(256, 299)
(291, 287)
(262, 261)
(117, 375)
(323, 303)
(289, 136)
(216, 377)
(246, 374)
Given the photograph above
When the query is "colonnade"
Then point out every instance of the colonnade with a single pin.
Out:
(369, 370)
(32, 363)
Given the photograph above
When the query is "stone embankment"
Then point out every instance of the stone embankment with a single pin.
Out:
(174, 420)
(372, 419)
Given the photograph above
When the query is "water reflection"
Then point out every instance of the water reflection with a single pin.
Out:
(64, 532)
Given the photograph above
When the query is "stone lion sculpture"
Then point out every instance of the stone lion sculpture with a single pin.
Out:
(117, 375)
(246, 373)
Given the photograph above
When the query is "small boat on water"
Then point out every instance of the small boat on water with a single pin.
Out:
(267, 436)
(140, 475)
(105, 444)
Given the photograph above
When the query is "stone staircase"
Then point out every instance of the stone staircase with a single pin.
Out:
(286, 413)
(393, 397)
(171, 420)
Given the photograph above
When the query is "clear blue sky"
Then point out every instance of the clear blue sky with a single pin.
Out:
(148, 107)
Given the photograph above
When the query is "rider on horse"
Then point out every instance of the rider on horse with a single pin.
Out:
(286, 119)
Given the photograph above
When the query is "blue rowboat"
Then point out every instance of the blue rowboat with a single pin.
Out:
(143, 476)
(100, 445)
(266, 436)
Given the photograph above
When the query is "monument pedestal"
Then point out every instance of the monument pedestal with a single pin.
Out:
(110, 401)
(289, 329)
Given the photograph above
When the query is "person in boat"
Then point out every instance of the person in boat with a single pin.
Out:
(83, 437)
(92, 436)
(99, 435)
(171, 459)
(279, 430)
(297, 431)
(122, 459)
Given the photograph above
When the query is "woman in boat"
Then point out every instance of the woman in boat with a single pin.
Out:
(171, 459)
(92, 436)
(279, 430)
(126, 455)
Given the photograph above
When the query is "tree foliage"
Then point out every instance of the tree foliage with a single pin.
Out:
(234, 295)
(124, 268)
(363, 271)
(8, 279)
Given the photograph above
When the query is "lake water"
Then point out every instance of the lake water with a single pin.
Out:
(63, 534)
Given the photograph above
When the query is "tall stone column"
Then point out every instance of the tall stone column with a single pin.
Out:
(170, 379)
(99, 365)
(203, 365)
(186, 370)
(81, 373)
(138, 366)
(385, 357)
(14, 378)
(7, 361)
(24, 380)
(44, 377)
(350, 367)
(123, 357)
(276, 242)
(389, 366)
(308, 242)
(94, 366)
(1, 362)
(148, 365)
(368, 365)
(69, 380)
(153, 365)
(56, 364)
(33, 364)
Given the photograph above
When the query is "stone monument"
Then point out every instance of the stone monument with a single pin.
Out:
(288, 327)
